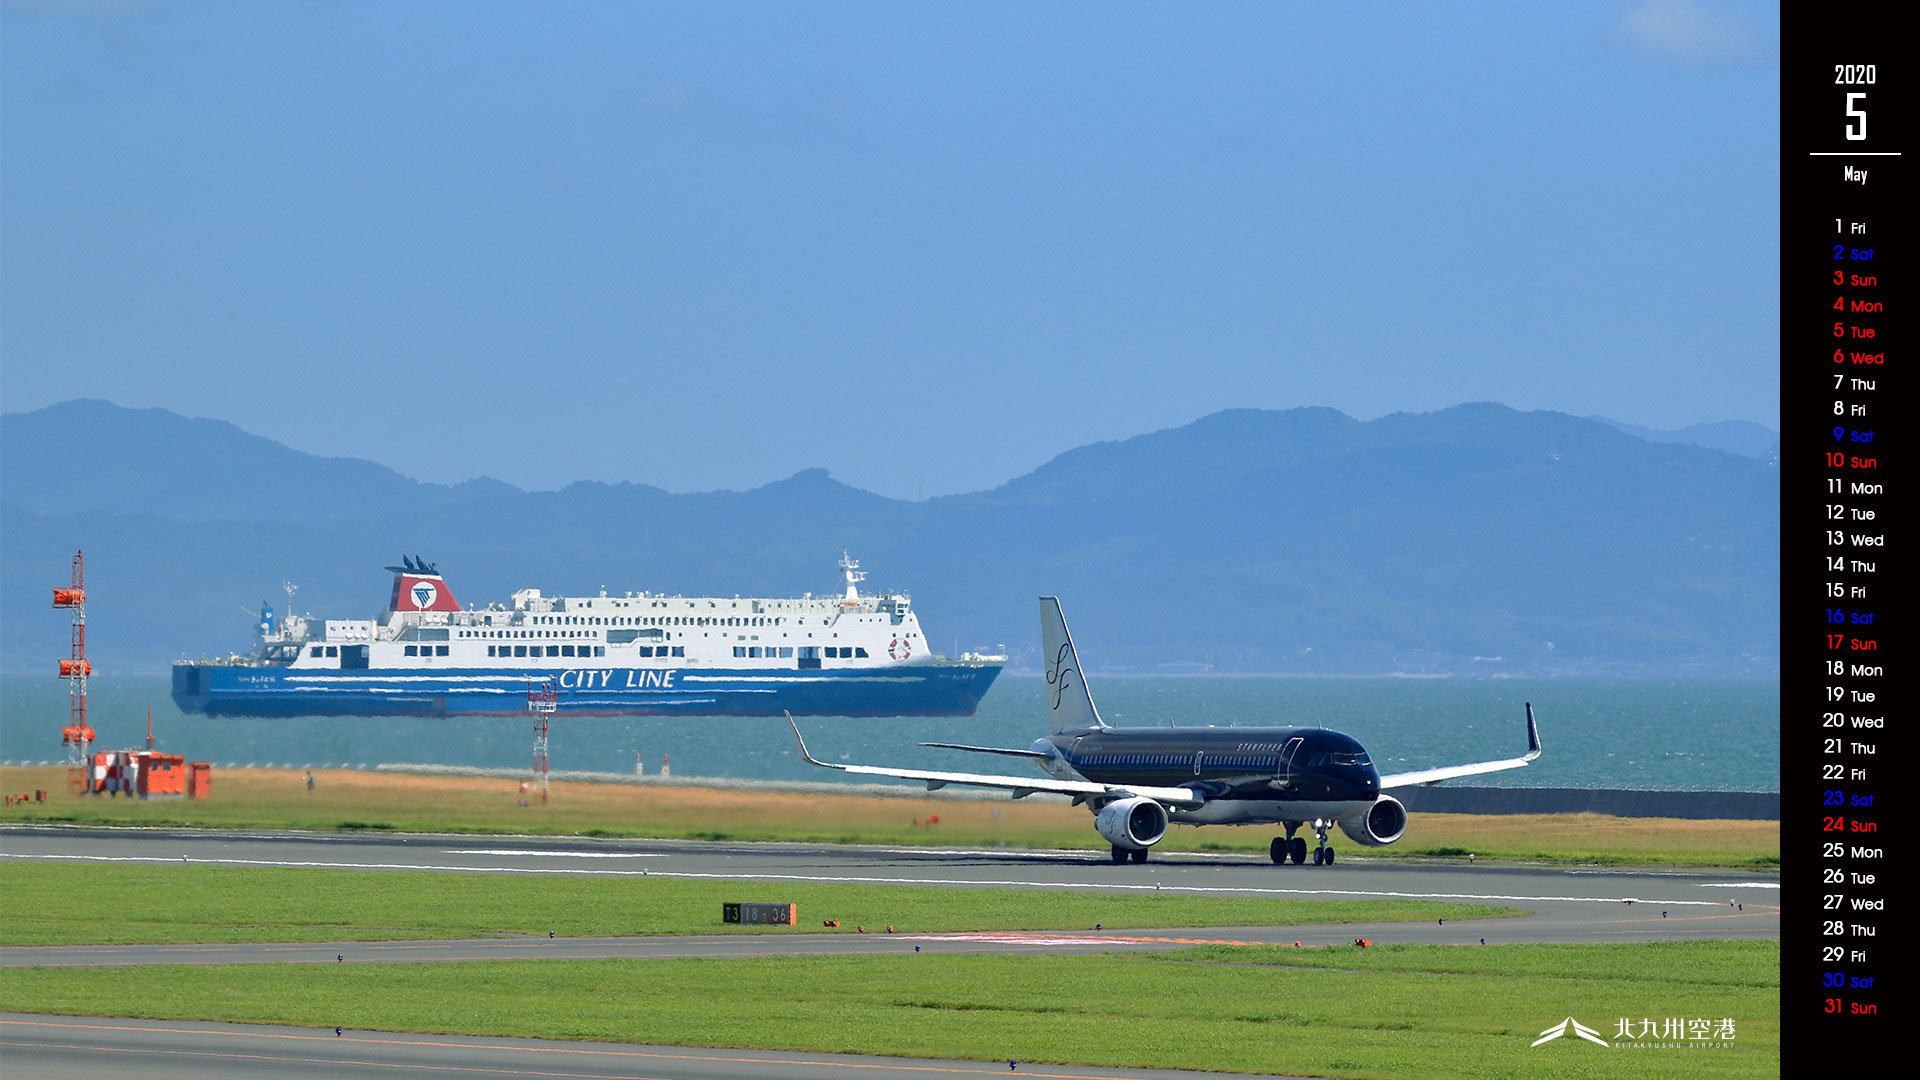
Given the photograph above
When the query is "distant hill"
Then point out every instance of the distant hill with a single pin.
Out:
(1733, 436)
(1474, 540)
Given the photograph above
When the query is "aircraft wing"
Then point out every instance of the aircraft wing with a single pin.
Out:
(1452, 772)
(986, 750)
(1021, 786)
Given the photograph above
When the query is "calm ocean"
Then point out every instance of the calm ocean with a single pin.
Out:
(1684, 734)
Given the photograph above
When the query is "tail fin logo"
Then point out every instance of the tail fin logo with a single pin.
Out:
(1062, 670)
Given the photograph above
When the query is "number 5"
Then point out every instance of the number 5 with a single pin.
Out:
(1856, 133)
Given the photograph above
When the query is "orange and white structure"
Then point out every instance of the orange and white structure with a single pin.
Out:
(77, 735)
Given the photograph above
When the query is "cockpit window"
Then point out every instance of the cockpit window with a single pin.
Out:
(1339, 759)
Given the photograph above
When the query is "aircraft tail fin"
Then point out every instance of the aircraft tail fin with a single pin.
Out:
(1069, 704)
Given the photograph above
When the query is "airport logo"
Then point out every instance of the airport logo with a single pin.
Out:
(1570, 1025)
(1662, 1033)
(424, 594)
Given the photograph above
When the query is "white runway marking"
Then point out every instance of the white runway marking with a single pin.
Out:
(1016, 939)
(563, 854)
(832, 879)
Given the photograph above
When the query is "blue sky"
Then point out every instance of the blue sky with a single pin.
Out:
(924, 246)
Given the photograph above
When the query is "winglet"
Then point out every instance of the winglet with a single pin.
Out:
(1533, 735)
(802, 744)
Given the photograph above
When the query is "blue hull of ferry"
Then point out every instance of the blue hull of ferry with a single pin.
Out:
(920, 690)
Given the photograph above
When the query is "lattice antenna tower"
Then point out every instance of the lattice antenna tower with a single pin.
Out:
(542, 701)
(77, 736)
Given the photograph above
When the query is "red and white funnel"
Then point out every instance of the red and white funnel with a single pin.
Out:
(417, 586)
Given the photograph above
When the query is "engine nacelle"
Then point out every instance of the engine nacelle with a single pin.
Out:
(1382, 824)
(1134, 824)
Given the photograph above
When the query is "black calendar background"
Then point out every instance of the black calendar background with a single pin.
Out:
(1845, 471)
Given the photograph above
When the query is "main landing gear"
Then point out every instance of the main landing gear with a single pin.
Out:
(1121, 854)
(1282, 850)
(1294, 848)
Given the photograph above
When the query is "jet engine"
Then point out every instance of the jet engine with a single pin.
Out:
(1382, 824)
(1133, 824)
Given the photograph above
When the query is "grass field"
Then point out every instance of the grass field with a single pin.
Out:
(169, 904)
(354, 800)
(1395, 1011)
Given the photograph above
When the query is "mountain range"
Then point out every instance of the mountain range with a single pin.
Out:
(1475, 540)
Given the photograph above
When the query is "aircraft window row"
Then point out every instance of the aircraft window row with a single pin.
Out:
(1139, 759)
(549, 650)
(650, 650)
(1181, 760)
(426, 650)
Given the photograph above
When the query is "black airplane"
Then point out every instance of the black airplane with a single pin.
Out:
(1137, 780)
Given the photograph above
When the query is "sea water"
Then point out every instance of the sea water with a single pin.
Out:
(1690, 734)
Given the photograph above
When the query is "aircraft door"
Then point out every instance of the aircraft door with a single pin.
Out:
(1199, 758)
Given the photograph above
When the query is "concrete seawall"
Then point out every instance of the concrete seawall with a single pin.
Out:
(1616, 802)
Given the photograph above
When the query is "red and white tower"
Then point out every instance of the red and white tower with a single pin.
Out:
(77, 736)
(542, 702)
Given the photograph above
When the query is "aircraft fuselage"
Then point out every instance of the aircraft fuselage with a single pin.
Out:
(1247, 774)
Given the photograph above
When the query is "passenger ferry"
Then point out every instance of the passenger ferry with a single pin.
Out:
(644, 654)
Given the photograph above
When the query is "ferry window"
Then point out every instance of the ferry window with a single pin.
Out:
(647, 650)
(553, 650)
(441, 650)
(519, 650)
(413, 650)
(786, 650)
(599, 650)
(679, 650)
(753, 652)
(566, 650)
(739, 650)
(489, 650)
(318, 651)
(333, 650)
(860, 652)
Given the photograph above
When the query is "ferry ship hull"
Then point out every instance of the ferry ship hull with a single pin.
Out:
(942, 689)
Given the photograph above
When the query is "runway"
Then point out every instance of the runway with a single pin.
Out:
(82, 1048)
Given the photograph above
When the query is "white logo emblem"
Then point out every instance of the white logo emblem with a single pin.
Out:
(424, 594)
(1577, 1028)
